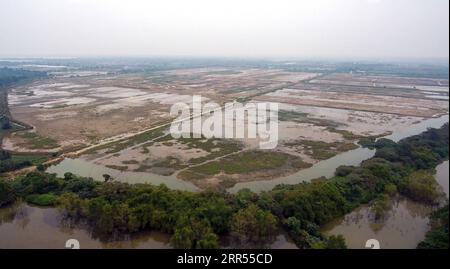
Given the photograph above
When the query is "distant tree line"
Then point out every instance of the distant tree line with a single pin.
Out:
(8, 164)
(9, 77)
(197, 220)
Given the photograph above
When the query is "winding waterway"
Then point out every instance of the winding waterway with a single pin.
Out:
(327, 167)
(324, 168)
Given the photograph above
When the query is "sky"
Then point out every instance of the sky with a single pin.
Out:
(382, 29)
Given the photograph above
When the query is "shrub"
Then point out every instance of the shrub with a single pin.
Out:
(47, 199)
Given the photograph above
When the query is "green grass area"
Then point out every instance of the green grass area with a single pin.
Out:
(244, 163)
(215, 147)
(35, 141)
(320, 150)
(34, 159)
(12, 161)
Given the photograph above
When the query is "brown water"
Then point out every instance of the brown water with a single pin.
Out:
(442, 176)
(24, 226)
(403, 227)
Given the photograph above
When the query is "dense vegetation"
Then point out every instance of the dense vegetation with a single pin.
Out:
(196, 220)
(10, 162)
(437, 237)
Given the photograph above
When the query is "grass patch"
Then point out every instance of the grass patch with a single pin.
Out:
(35, 141)
(346, 134)
(130, 162)
(320, 150)
(14, 161)
(215, 147)
(118, 167)
(169, 162)
(243, 163)
(34, 159)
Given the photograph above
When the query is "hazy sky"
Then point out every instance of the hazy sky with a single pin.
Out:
(233, 28)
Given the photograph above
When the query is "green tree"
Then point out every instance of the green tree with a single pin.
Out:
(254, 225)
(7, 195)
(421, 186)
(193, 233)
(336, 242)
(437, 237)
(71, 205)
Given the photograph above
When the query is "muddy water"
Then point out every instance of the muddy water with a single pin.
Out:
(442, 176)
(404, 226)
(24, 226)
(85, 168)
(327, 167)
